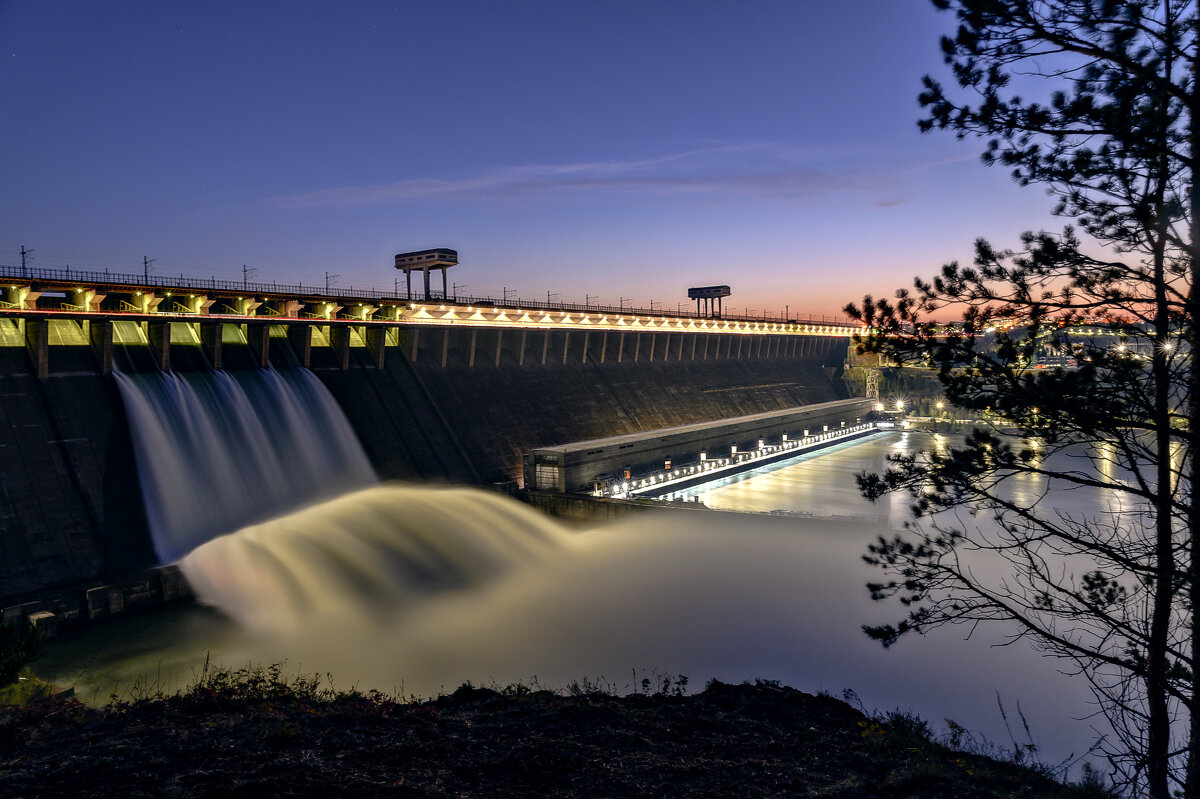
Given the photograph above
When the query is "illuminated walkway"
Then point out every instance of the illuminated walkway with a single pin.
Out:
(669, 480)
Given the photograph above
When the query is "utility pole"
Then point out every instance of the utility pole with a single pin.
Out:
(506, 290)
(24, 254)
(146, 267)
(454, 290)
(246, 275)
(587, 299)
(621, 304)
(550, 297)
(330, 279)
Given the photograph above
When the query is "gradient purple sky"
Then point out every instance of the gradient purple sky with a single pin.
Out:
(618, 149)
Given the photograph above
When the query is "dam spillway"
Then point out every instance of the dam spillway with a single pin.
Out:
(450, 400)
(217, 451)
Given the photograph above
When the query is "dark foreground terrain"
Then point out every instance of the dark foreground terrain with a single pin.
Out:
(253, 733)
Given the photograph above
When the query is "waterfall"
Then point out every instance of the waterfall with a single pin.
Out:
(376, 551)
(216, 451)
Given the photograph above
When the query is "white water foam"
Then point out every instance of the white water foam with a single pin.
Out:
(367, 556)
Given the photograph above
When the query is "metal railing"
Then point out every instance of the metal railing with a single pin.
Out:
(193, 284)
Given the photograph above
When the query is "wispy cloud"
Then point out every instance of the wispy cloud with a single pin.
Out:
(763, 170)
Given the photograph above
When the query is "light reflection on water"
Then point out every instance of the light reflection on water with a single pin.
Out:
(822, 484)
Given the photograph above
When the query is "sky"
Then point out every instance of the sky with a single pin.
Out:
(593, 151)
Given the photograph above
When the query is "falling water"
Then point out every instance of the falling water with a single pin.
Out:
(217, 451)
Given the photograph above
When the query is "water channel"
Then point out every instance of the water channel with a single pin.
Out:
(478, 589)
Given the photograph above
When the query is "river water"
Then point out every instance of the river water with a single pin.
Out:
(777, 594)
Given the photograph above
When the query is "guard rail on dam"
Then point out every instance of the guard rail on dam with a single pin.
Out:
(76, 289)
(440, 392)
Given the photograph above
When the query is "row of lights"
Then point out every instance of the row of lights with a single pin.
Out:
(566, 317)
(668, 474)
(662, 319)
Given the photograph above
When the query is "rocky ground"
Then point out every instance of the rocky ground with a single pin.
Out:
(257, 734)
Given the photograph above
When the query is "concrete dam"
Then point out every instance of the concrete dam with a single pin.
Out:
(433, 391)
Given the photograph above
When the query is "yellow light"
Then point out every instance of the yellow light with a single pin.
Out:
(941, 405)
(899, 405)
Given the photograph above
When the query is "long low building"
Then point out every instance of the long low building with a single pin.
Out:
(581, 465)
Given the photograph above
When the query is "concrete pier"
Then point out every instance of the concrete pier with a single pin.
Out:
(584, 464)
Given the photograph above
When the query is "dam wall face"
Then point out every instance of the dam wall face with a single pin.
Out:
(70, 505)
(441, 404)
(467, 404)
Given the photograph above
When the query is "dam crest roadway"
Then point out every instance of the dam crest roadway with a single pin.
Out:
(41, 300)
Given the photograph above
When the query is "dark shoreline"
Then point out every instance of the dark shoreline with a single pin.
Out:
(256, 734)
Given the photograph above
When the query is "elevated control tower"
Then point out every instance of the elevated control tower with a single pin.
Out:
(441, 258)
(707, 294)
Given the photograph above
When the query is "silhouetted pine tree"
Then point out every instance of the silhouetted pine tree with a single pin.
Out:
(1109, 132)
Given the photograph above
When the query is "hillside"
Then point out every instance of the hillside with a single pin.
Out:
(254, 734)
